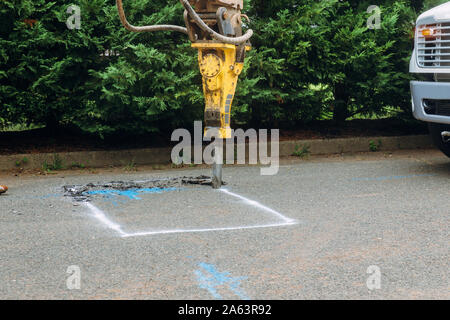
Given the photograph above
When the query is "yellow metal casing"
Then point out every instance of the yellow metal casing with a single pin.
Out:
(220, 72)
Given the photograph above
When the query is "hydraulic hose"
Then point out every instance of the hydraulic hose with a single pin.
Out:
(193, 14)
(204, 27)
(130, 27)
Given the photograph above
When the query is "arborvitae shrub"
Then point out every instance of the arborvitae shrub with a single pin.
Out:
(309, 59)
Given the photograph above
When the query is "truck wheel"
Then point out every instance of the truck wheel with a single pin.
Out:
(435, 130)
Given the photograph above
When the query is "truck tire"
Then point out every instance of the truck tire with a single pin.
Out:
(435, 131)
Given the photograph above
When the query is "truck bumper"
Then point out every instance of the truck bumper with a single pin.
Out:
(429, 90)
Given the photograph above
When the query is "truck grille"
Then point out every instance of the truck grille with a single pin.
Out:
(437, 107)
(433, 50)
(443, 108)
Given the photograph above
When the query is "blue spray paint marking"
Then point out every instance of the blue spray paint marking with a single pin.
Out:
(394, 177)
(131, 194)
(209, 278)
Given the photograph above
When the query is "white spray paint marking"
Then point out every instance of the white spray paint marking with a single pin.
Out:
(101, 217)
(258, 205)
(153, 233)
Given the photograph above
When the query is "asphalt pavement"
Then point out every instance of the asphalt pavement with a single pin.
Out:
(367, 226)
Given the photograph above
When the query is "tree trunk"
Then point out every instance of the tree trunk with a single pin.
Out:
(341, 99)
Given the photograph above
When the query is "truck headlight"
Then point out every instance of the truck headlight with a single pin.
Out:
(428, 32)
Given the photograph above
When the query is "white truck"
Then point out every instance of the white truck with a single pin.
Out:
(431, 60)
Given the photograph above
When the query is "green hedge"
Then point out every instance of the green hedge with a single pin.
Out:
(310, 59)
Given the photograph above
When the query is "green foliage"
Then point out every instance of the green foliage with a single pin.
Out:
(309, 59)
(76, 165)
(130, 166)
(21, 162)
(56, 164)
(428, 4)
(326, 45)
(61, 77)
(302, 151)
(373, 146)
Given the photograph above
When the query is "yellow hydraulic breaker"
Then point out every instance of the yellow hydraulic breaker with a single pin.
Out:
(220, 72)
(215, 29)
